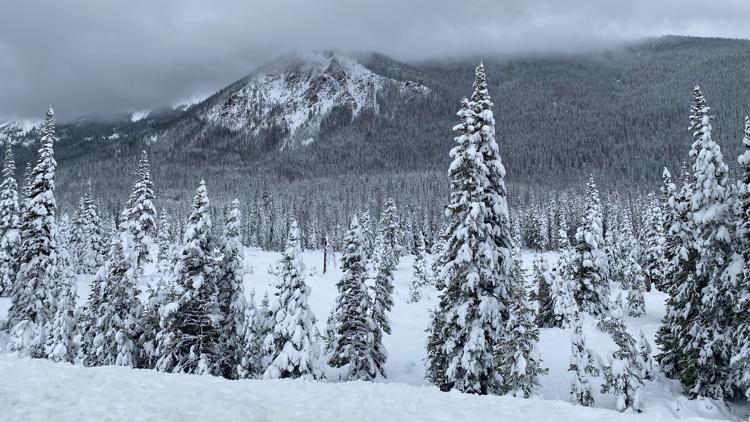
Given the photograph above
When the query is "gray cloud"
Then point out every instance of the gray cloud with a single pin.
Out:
(87, 56)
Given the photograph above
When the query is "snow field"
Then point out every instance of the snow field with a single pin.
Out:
(39, 390)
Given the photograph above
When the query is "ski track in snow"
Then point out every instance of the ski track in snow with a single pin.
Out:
(34, 390)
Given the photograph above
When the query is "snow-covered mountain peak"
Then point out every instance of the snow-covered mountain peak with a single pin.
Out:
(296, 92)
(15, 131)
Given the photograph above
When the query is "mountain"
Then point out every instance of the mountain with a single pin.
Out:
(20, 131)
(295, 94)
(619, 114)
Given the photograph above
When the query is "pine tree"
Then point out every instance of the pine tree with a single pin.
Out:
(33, 301)
(166, 248)
(644, 357)
(353, 310)
(564, 306)
(382, 285)
(158, 296)
(88, 237)
(702, 325)
(740, 363)
(623, 375)
(117, 319)
(231, 294)
(582, 367)
(368, 237)
(437, 360)
(589, 267)
(518, 361)
(653, 243)
(293, 344)
(139, 217)
(476, 259)
(545, 316)
(680, 260)
(419, 276)
(390, 231)
(10, 239)
(189, 339)
(250, 363)
(60, 345)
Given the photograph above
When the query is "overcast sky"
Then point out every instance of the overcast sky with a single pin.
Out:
(87, 56)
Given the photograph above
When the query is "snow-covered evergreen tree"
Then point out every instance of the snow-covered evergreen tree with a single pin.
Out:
(582, 366)
(381, 275)
(564, 306)
(589, 268)
(368, 236)
(518, 361)
(419, 277)
(545, 315)
(623, 373)
(740, 362)
(117, 319)
(61, 345)
(158, 296)
(680, 258)
(34, 296)
(390, 232)
(88, 240)
(475, 264)
(189, 339)
(645, 359)
(229, 280)
(139, 216)
(252, 350)
(701, 305)
(10, 238)
(293, 344)
(653, 262)
(166, 246)
(354, 323)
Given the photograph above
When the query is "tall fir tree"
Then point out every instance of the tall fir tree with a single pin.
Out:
(189, 339)
(541, 294)
(589, 267)
(34, 296)
(419, 277)
(382, 269)
(390, 231)
(476, 258)
(139, 216)
(231, 297)
(165, 258)
(740, 363)
(518, 360)
(702, 300)
(61, 343)
(10, 238)
(293, 344)
(354, 324)
(117, 318)
(653, 262)
(252, 350)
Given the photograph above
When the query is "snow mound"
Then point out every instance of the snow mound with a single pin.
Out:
(38, 390)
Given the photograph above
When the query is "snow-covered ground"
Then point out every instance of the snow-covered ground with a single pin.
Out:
(40, 390)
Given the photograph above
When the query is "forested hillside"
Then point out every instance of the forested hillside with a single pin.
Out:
(619, 114)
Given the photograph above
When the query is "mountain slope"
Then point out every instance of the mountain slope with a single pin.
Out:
(620, 114)
(296, 93)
